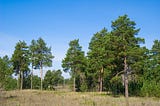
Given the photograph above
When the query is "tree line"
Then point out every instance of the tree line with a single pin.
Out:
(116, 62)
(23, 62)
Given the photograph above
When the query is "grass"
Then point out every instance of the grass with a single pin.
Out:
(57, 98)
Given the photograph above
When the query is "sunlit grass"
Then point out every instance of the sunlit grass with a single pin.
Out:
(61, 98)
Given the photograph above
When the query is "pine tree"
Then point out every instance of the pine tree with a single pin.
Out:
(5, 71)
(43, 57)
(128, 45)
(32, 50)
(20, 59)
(75, 61)
(97, 55)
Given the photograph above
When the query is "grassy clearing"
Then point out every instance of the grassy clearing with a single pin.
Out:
(57, 98)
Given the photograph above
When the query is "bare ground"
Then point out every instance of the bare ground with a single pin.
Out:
(57, 98)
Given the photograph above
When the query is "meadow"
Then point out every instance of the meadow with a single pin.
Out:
(62, 98)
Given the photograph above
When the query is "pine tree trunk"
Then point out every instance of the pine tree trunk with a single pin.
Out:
(21, 80)
(41, 76)
(32, 77)
(126, 81)
(18, 81)
(74, 84)
(101, 80)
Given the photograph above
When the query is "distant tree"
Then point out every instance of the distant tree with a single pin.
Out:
(156, 51)
(74, 62)
(6, 71)
(57, 77)
(48, 79)
(35, 82)
(53, 78)
(20, 59)
(151, 75)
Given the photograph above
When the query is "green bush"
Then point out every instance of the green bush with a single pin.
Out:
(150, 89)
(11, 84)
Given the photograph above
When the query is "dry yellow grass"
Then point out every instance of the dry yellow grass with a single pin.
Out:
(53, 98)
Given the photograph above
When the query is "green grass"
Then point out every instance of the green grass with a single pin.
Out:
(57, 98)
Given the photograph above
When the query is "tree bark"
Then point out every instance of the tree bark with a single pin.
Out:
(101, 80)
(18, 81)
(74, 84)
(41, 75)
(21, 80)
(32, 77)
(126, 81)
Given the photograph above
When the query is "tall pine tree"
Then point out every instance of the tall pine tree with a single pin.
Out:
(74, 62)
(128, 45)
(42, 56)
(20, 59)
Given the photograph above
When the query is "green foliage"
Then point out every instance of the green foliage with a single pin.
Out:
(100, 58)
(75, 62)
(40, 56)
(11, 84)
(115, 61)
(151, 77)
(116, 85)
(20, 57)
(43, 55)
(53, 78)
(36, 82)
(129, 52)
(20, 61)
(6, 71)
(150, 89)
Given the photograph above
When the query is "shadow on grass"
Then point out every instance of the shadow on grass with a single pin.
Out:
(11, 97)
(8, 97)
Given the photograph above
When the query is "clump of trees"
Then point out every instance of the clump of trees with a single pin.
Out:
(116, 62)
(37, 55)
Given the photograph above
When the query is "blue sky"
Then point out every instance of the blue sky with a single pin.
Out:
(60, 21)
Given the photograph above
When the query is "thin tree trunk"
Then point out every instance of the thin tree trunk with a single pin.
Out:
(18, 81)
(74, 84)
(101, 80)
(32, 77)
(21, 80)
(64, 83)
(126, 81)
(41, 76)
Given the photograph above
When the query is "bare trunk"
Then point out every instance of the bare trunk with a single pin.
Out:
(21, 80)
(18, 81)
(74, 84)
(101, 80)
(64, 83)
(32, 77)
(41, 76)
(126, 80)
